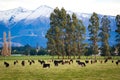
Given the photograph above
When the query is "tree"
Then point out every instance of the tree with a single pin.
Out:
(104, 35)
(51, 44)
(78, 33)
(68, 36)
(63, 23)
(117, 19)
(56, 33)
(81, 30)
(93, 32)
(27, 48)
(65, 34)
(33, 51)
(74, 34)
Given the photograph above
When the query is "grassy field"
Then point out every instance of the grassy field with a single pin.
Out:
(96, 71)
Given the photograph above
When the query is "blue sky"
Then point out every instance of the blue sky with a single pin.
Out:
(107, 7)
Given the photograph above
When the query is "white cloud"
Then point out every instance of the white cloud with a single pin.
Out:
(111, 7)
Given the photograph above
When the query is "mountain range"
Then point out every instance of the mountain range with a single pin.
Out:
(30, 26)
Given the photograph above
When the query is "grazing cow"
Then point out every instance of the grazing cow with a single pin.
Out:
(91, 61)
(46, 65)
(117, 62)
(81, 63)
(86, 61)
(30, 63)
(71, 60)
(55, 63)
(15, 62)
(23, 63)
(33, 61)
(66, 62)
(105, 60)
(41, 62)
(77, 61)
(28, 60)
(58, 62)
(112, 61)
(6, 64)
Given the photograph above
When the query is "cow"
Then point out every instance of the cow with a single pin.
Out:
(23, 63)
(46, 65)
(15, 62)
(81, 63)
(86, 61)
(65, 62)
(41, 62)
(71, 60)
(28, 60)
(112, 61)
(105, 60)
(32, 61)
(56, 62)
(91, 61)
(6, 64)
(117, 62)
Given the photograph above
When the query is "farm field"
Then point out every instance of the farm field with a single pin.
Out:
(73, 71)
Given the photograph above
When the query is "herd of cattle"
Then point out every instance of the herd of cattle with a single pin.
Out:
(62, 62)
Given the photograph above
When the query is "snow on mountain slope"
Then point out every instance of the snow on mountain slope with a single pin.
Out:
(18, 13)
(22, 15)
(42, 11)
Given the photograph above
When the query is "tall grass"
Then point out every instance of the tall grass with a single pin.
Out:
(97, 71)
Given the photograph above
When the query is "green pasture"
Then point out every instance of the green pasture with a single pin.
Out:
(96, 71)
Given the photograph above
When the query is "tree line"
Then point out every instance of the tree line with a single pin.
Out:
(67, 34)
(28, 50)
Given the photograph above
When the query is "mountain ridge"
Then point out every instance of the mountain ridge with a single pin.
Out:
(30, 26)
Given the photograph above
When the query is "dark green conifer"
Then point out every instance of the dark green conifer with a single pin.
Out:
(93, 32)
(104, 35)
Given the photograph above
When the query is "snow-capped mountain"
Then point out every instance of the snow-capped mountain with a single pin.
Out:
(18, 14)
(42, 11)
(30, 26)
